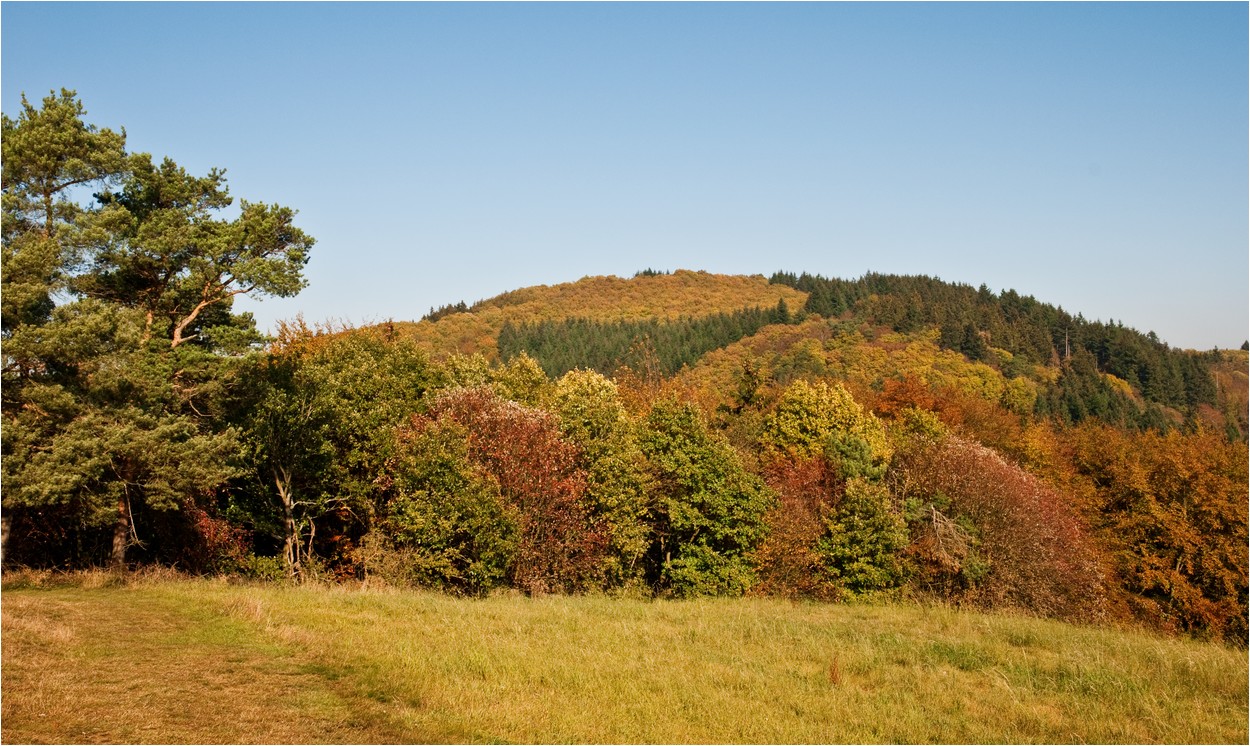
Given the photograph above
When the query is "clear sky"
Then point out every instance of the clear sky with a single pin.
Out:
(1094, 156)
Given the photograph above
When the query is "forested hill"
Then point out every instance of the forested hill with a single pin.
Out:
(1016, 332)
(1070, 368)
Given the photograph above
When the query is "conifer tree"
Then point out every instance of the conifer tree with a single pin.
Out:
(118, 329)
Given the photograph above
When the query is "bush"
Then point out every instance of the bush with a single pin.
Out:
(698, 570)
(267, 569)
(1039, 557)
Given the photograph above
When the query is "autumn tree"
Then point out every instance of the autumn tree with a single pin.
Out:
(559, 543)
(1172, 510)
(593, 417)
(827, 456)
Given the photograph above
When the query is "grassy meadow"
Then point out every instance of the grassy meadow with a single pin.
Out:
(98, 658)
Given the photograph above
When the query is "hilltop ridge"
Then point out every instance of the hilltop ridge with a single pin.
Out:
(666, 296)
(1013, 350)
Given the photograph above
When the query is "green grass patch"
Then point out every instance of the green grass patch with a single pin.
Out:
(205, 661)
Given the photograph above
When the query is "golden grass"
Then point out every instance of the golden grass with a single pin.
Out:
(307, 664)
(109, 664)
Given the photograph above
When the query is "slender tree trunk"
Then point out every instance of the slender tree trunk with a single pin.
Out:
(290, 547)
(121, 533)
(6, 522)
(312, 534)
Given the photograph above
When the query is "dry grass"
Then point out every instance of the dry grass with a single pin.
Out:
(210, 662)
(117, 663)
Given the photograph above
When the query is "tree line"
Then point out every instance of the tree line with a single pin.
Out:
(604, 346)
(972, 321)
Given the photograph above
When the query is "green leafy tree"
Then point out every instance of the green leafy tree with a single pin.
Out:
(445, 522)
(709, 511)
(864, 539)
(593, 417)
(819, 418)
(49, 155)
(170, 256)
(318, 413)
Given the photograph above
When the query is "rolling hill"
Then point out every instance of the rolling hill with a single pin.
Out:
(647, 296)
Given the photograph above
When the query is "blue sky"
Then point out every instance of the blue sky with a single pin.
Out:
(1092, 155)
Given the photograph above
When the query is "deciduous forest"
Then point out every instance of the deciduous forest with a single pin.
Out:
(673, 434)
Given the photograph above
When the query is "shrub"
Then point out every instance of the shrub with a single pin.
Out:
(1039, 557)
(699, 570)
(266, 569)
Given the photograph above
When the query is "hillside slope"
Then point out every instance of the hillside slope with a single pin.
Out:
(656, 296)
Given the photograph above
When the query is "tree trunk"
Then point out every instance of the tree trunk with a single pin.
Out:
(290, 547)
(121, 532)
(6, 522)
(312, 534)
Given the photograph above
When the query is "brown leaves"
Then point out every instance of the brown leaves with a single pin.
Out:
(1040, 558)
(536, 470)
(787, 561)
(1173, 510)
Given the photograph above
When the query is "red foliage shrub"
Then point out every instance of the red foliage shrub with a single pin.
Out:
(211, 544)
(522, 449)
(1039, 556)
(787, 562)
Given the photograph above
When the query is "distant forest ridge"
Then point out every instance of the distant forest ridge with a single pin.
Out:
(1105, 370)
(972, 321)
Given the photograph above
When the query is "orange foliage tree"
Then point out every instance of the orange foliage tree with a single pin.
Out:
(1172, 508)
